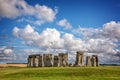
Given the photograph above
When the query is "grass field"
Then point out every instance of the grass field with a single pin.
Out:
(61, 73)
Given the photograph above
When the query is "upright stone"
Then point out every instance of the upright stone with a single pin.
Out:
(55, 61)
(35, 60)
(29, 62)
(41, 63)
(97, 61)
(79, 59)
(47, 59)
(38, 60)
(63, 59)
(88, 61)
(94, 60)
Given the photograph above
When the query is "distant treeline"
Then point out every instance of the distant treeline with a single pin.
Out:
(109, 64)
(16, 63)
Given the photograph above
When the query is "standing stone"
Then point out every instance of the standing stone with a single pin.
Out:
(47, 58)
(79, 59)
(65, 59)
(94, 60)
(55, 61)
(41, 63)
(88, 61)
(62, 59)
(35, 60)
(38, 60)
(29, 62)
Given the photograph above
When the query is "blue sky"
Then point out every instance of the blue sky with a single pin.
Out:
(53, 26)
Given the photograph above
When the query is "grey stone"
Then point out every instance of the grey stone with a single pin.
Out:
(55, 61)
(35, 60)
(94, 60)
(47, 59)
(63, 59)
(79, 59)
(88, 61)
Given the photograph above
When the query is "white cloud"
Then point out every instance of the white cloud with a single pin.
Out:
(112, 30)
(100, 46)
(85, 33)
(97, 42)
(49, 38)
(8, 9)
(6, 53)
(15, 8)
(72, 43)
(109, 30)
(102, 41)
(64, 23)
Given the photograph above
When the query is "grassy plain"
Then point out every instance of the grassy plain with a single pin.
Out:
(60, 73)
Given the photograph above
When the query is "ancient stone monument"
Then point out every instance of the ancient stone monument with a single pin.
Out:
(55, 64)
(79, 59)
(88, 61)
(35, 60)
(47, 59)
(63, 59)
(94, 60)
(60, 60)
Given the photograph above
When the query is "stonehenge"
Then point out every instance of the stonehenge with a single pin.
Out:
(55, 63)
(61, 60)
(94, 60)
(79, 59)
(88, 61)
(47, 60)
(35, 60)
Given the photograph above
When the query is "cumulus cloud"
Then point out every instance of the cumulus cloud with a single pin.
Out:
(85, 33)
(6, 53)
(102, 41)
(64, 23)
(71, 43)
(15, 8)
(49, 38)
(112, 30)
(93, 41)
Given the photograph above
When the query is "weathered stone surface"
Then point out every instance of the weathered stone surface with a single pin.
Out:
(88, 61)
(63, 59)
(94, 60)
(41, 64)
(38, 60)
(35, 60)
(28, 62)
(79, 59)
(55, 61)
(47, 59)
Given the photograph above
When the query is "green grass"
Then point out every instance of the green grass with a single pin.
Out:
(61, 73)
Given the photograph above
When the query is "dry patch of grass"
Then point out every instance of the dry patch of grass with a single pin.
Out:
(12, 65)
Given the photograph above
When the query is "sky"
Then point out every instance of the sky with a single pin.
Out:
(60, 26)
